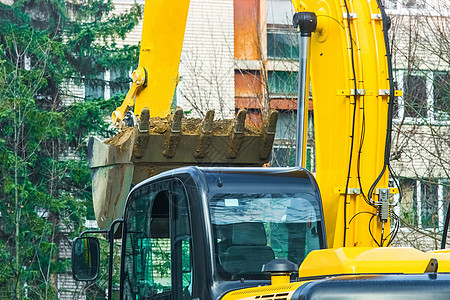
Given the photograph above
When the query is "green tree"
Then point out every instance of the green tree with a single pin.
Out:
(45, 192)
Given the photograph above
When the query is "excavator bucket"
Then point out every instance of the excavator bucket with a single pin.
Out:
(158, 144)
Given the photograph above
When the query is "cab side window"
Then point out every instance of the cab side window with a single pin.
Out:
(157, 243)
(181, 243)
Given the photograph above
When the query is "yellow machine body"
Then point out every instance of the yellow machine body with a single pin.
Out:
(366, 260)
(349, 261)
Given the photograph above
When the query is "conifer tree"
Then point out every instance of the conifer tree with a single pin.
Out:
(45, 182)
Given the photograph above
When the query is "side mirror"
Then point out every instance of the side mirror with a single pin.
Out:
(85, 258)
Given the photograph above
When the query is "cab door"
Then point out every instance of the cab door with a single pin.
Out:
(156, 250)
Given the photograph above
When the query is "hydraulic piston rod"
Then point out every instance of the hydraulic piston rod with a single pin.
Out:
(306, 22)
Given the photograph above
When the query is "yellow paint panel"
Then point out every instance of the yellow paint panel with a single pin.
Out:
(364, 260)
(250, 293)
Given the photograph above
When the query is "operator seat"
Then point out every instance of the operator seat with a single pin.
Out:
(248, 251)
(223, 235)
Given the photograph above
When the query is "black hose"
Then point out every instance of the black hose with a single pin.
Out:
(444, 234)
(387, 149)
(353, 122)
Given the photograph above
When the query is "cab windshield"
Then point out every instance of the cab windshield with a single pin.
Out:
(251, 229)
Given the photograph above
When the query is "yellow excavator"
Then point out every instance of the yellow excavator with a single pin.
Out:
(203, 220)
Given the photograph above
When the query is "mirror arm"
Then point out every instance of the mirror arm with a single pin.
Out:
(110, 234)
(92, 231)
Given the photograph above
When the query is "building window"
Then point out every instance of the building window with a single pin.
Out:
(282, 44)
(408, 4)
(441, 96)
(95, 87)
(108, 84)
(283, 155)
(429, 204)
(415, 96)
(413, 3)
(425, 202)
(283, 83)
(426, 96)
(390, 4)
(119, 81)
(286, 126)
(409, 201)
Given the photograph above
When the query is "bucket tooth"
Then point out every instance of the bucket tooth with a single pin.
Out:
(268, 134)
(237, 134)
(144, 120)
(142, 136)
(205, 135)
(174, 134)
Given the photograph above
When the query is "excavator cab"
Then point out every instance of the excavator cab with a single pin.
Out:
(211, 233)
(201, 232)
